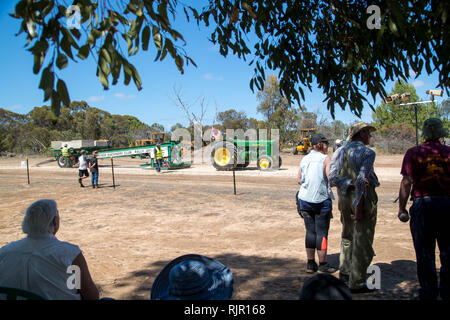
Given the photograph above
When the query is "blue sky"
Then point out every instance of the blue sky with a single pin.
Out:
(222, 82)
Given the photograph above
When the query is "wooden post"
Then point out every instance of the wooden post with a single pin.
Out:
(28, 172)
(112, 167)
(234, 176)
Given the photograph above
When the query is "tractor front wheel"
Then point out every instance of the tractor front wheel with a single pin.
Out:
(264, 163)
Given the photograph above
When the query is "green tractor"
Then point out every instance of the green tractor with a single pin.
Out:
(236, 153)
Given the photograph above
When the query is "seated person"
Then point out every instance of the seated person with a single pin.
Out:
(39, 263)
(193, 277)
(325, 287)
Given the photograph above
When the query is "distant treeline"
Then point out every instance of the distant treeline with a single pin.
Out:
(34, 131)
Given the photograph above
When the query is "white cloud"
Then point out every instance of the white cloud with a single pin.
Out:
(124, 96)
(412, 74)
(209, 76)
(96, 98)
(418, 83)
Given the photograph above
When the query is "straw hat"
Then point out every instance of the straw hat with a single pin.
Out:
(358, 127)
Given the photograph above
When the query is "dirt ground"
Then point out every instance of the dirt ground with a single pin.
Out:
(128, 234)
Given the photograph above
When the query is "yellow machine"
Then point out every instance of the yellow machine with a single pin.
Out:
(155, 137)
(304, 141)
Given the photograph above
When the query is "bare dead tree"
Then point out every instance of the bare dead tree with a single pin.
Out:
(180, 102)
(195, 119)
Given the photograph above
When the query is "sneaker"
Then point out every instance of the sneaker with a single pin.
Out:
(326, 268)
(311, 267)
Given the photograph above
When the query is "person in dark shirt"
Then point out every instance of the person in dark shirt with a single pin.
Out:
(426, 178)
(93, 166)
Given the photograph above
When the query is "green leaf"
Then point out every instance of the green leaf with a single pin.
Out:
(47, 82)
(157, 39)
(61, 61)
(129, 42)
(136, 78)
(56, 102)
(106, 55)
(66, 47)
(63, 93)
(103, 80)
(127, 72)
(38, 61)
(83, 52)
(145, 38)
(104, 67)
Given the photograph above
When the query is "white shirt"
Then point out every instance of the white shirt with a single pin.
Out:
(39, 265)
(314, 184)
(83, 163)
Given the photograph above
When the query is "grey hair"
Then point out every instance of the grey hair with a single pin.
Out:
(38, 218)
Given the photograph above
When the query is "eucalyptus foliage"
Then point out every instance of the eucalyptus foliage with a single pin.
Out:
(327, 43)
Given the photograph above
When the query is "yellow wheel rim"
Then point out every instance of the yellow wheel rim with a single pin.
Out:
(264, 163)
(222, 156)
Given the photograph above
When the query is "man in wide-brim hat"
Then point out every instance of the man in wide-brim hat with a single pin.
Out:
(426, 178)
(352, 172)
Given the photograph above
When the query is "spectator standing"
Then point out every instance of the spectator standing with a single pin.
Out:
(315, 203)
(93, 166)
(82, 168)
(352, 172)
(426, 178)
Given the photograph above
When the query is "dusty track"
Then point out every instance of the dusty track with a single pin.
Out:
(129, 233)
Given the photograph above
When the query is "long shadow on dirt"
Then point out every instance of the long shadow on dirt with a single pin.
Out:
(263, 278)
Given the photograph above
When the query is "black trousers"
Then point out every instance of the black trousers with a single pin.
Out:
(317, 225)
(430, 222)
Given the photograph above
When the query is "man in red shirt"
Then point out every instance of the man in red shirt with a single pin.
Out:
(426, 168)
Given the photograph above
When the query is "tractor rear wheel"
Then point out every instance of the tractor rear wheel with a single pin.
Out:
(223, 154)
(63, 162)
(264, 163)
(295, 151)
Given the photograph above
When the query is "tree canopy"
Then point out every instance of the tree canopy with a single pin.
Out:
(327, 42)
(34, 131)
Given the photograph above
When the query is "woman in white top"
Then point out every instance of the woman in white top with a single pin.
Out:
(315, 203)
(42, 264)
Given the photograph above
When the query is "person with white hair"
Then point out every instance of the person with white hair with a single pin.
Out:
(41, 263)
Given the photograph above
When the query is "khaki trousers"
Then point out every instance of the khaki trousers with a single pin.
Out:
(357, 237)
